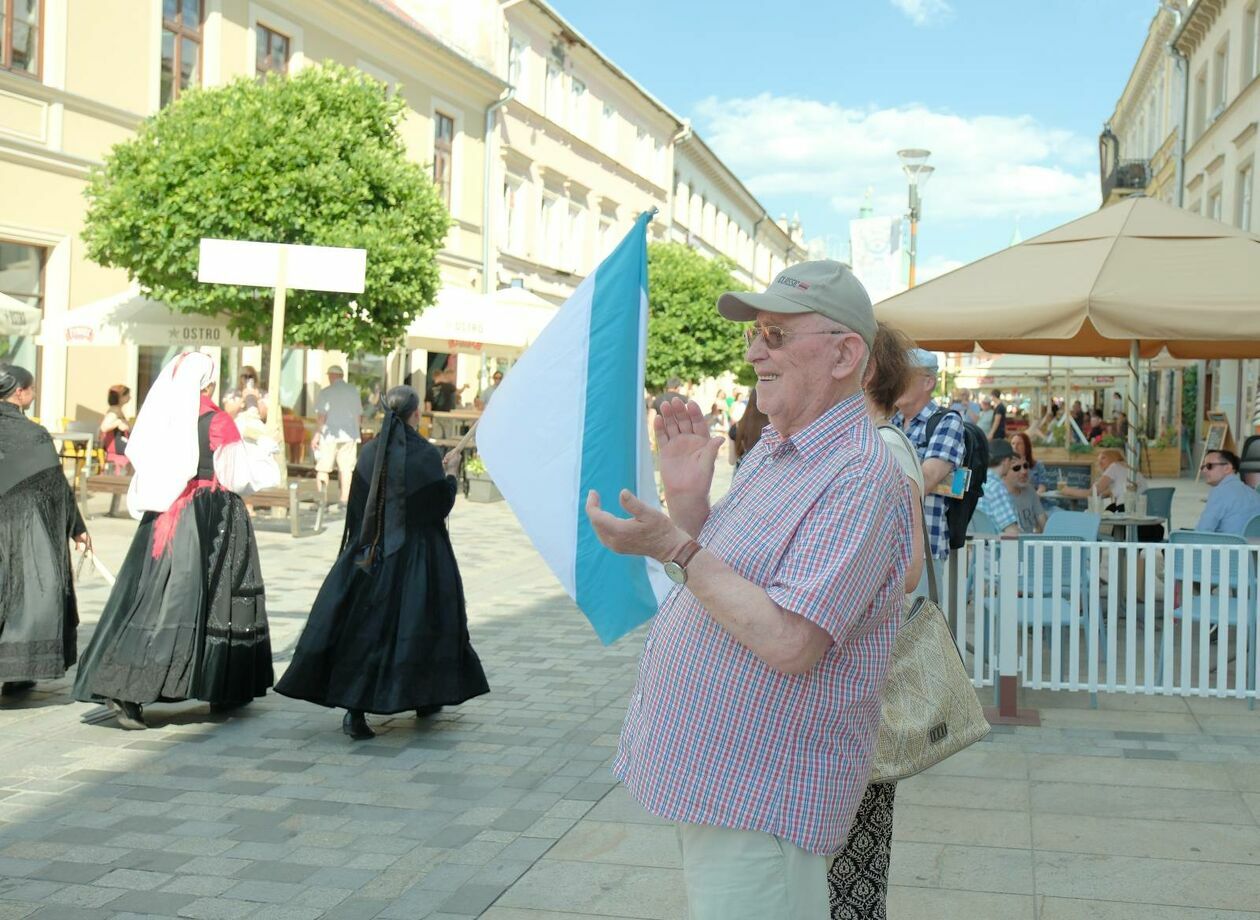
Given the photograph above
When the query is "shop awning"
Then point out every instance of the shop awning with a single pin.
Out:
(500, 325)
(130, 318)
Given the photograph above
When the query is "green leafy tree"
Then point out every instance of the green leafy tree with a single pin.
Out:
(313, 159)
(687, 337)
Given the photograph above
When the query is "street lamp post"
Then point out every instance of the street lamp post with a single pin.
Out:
(914, 164)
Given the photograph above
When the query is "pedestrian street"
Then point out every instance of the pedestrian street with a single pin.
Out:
(505, 807)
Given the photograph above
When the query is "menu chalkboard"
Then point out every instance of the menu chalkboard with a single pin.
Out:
(1217, 436)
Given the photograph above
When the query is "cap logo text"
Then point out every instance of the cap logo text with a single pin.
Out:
(792, 282)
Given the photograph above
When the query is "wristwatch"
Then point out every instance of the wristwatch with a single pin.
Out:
(676, 568)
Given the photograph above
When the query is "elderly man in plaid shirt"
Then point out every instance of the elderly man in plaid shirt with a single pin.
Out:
(754, 716)
(938, 435)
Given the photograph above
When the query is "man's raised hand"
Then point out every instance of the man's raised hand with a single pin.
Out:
(687, 450)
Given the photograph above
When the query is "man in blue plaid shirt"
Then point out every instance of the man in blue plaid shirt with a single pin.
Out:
(996, 500)
(941, 454)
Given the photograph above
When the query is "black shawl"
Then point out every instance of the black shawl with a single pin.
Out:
(31, 481)
(397, 463)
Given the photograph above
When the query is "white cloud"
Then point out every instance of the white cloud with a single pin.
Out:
(987, 166)
(924, 12)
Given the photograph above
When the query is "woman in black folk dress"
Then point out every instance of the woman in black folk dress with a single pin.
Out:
(38, 518)
(388, 632)
(187, 618)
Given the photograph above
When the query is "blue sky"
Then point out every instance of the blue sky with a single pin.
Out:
(809, 101)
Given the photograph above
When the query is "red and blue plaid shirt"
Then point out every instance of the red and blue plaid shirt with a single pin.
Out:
(716, 736)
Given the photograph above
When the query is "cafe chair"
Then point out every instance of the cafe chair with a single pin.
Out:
(1082, 525)
(1159, 504)
(1041, 606)
(1221, 599)
(1251, 531)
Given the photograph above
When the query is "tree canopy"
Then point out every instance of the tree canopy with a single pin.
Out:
(313, 159)
(687, 337)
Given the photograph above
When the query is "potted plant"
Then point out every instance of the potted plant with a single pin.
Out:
(481, 487)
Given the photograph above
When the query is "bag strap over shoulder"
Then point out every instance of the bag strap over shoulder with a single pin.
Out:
(933, 591)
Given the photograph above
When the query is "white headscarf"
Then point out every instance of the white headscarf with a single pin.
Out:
(163, 447)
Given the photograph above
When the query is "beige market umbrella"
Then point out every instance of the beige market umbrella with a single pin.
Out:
(1139, 272)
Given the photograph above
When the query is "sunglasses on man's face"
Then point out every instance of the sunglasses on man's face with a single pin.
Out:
(776, 336)
(1212, 466)
(1016, 467)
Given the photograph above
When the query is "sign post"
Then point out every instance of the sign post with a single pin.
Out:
(281, 266)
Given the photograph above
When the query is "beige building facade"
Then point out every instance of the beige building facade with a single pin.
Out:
(61, 112)
(715, 213)
(1184, 131)
(544, 149)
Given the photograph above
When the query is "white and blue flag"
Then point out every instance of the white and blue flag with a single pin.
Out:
(570, 417)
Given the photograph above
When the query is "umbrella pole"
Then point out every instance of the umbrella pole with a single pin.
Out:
(1131, 445)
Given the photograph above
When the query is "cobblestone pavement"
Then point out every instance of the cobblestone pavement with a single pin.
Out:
(505, 807)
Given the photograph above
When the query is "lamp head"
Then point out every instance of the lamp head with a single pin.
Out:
(914, 163)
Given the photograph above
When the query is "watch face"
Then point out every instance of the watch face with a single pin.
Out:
(677, 574)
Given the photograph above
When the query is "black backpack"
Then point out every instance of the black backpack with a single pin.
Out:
(958, 511)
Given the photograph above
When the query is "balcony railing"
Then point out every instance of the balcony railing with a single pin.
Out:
(1126, 175)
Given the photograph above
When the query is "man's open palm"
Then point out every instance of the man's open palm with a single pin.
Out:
(687, 450)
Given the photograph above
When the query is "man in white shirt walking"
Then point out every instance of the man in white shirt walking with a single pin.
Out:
(338, 410)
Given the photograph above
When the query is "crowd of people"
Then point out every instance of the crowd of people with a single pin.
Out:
(753, 720)
(186, 618)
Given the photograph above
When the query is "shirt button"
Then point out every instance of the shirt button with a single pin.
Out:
(638, 697)
(647, 646)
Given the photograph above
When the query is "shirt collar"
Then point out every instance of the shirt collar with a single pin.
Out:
(823, 430)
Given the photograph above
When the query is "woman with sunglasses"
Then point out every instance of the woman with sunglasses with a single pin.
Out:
(857, 881)
(1038, 475)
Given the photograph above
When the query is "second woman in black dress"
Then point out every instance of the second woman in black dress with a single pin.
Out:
(389, 632)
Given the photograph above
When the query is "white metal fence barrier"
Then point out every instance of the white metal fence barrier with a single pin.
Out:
(1176, 618)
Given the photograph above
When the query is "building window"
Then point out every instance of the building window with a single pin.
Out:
(20, 28)
(1214, 204)
(181, 47)
(1251, 45)
(512, 221)
(1243, 210)
(1200, 103)
(22, 278)
(516, 55)
(608, 129)
(1220, 79)
(555, 93)
(575, 258)
(577, 107)
(606, 239)
(272, 55)
(548, 231)
(443, 148)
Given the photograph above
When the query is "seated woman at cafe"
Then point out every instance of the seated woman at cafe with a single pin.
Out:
(115, 429)
(1038, 475)
(1111, 486)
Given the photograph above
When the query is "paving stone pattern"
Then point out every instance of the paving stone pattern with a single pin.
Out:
(505, 807)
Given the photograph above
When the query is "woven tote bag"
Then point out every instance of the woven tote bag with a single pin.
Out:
(929, 708)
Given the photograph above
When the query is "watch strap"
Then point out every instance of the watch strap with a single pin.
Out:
(687, 553)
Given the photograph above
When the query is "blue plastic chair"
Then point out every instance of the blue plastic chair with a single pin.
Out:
(981, 525)
(1222, 594)
(1159, 503)
(1079, 524)
(1252, 529)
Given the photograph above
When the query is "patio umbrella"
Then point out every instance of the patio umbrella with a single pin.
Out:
(1139, 271)
(130, 318)
(1125, 281)
(480, 324)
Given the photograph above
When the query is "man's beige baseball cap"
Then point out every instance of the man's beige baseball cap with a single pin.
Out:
(824, 286)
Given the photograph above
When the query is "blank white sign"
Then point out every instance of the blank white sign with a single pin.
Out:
(308, 268)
